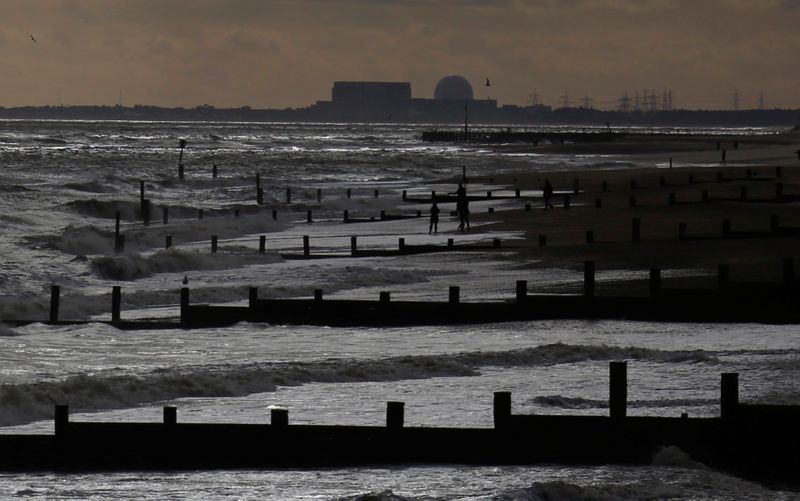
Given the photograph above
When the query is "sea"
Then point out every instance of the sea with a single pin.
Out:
(63, 182)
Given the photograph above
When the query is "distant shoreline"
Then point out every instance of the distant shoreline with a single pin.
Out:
(562, 116)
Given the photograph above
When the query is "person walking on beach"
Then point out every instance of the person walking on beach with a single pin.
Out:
(547, 193)
(462, 207)
(434, 226)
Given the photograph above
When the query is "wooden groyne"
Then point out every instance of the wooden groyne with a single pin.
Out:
(753, 441)
(726, 301)
(489, 136)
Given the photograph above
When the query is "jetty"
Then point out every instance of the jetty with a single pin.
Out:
(759, 442)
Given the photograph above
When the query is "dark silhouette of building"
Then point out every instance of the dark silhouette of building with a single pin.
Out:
(370, 101)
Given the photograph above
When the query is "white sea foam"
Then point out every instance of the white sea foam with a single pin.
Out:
(96, 391)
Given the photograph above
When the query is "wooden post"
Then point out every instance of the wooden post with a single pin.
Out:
(384, 297)
(670, 162)
(527, 207)
(516, 193)
(317, 295)
(433, 195)
(252, 297)
(348, 193)
(450, 243)
(180, 171)
(288, 196)
(488, 194)
(589, 237)
(618, 389)
(375, 194)
(214, 172)
(308, 216)
(55, 293)
(635, 227)
(116, 224)
(165, 215)
(405, 195)
(279, 418)
(401, 244)
(262, 244)
(170, 414)
(345, 216)
(199, 213)
(141, 196)
(454, 294)
(319, 195)
(61, 421)
(353, 245)
(566, 202)
(237, 212)
(395, 415)
(167, 241)
(495, 243)
(723, 274)
(306, 247)
(184, 305)
(576, 186)
(542, 240)
(522, 291)
(119, 246)
(383, 214)
(729, 395)
(213, 244)
(419, 213)
(501, 409)
(116, 303)
(260, 196)
(655, 281)
(491, 210)
(274, 214)
(588, 278)
(146, 212)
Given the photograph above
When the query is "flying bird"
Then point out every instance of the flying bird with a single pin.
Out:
(33, 38)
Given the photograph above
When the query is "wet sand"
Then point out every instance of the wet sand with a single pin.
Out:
(759, 255)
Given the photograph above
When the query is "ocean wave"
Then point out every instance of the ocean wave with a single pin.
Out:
(387, 495)
(172, 260)
(564, 402)
(560, 489)
(20, 403)
(90, 187)
(103, 209)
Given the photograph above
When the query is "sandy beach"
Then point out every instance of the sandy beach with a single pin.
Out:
(750, 250)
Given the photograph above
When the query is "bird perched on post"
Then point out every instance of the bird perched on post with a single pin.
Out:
(185, 280)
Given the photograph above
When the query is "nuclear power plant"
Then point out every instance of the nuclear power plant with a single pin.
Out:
(453, 101)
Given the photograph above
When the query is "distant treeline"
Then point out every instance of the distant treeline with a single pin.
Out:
(507, 115)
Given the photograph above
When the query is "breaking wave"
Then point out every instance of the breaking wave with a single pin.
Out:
(563, 402)
(172, 260)
(20, 403)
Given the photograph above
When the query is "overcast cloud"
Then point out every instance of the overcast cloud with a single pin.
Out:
(282, 53)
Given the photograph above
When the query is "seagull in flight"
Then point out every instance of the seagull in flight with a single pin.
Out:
(33, 38)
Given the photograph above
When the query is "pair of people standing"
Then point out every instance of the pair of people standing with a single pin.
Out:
(462, 208)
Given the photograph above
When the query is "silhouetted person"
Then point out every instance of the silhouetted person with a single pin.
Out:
(462, 207)
(547, 193)
(434, 226)
(723, 156)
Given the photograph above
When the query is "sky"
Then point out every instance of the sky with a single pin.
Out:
(288, 53)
